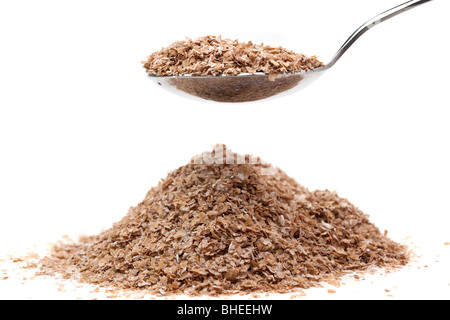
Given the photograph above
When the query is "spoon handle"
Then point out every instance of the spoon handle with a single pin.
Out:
(372, 23)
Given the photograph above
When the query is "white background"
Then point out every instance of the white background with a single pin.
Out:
(84, 134)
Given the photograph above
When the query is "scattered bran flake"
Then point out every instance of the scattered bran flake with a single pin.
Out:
(331, 291)
(215, 56)
(387, 290)
(336, 283)
(4, 278)
(300, 294)
(224, 228)
(447, 244)
(28, 260)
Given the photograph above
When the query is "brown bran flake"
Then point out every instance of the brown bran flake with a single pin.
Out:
(219, 229)
(215, 56)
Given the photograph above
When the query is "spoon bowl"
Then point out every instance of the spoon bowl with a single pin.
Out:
(240, 88)
(258, 86)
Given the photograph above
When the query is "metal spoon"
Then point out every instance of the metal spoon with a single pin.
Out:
(253, 87)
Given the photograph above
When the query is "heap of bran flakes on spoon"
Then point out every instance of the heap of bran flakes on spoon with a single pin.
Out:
(214, 56)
